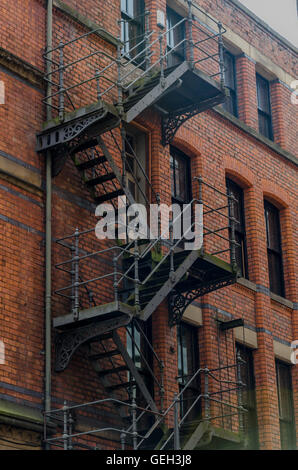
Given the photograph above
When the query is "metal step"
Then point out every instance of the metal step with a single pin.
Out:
(109, 196)
(91, 163)
(115, 370)
(98, 357)
(100, 179)
(84, 146)
(131, 383)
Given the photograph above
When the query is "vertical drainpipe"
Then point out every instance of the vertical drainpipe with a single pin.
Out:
(48, 227)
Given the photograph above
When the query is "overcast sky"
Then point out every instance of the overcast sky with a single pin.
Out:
(281, 15)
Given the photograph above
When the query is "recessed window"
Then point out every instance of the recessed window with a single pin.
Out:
(274, 252)
(249, 396)
(175, 38)
(180, 177)
(241, 253)
(286, 409)
(188, 364)
(132, 27)
(264, 107)
(230, 104)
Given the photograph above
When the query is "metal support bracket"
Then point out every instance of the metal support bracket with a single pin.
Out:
(179, 301)
(172, 122)
(67, 342)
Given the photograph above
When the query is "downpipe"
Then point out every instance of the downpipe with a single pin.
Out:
(48, 230)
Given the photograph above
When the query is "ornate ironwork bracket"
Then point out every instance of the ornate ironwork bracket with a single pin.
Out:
(67, 342)
(63, 133)
(179, 301)
(172, 122)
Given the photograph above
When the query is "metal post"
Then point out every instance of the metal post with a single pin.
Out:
(76, 278)
(98, 91)
(161, 60)
(115, 284)
(119, 80)
(159, 216)
(72, 276)
(65, 426)
(190, 33)
(231, 202)
(61, 81)
(162, 388)
(172, 269)
(240, 400)
(176, 424)
(70, 423)
(206, 394)
(200, 182)
(123, 439)
(221, 56)
(137, 280)
(134, 425)
(123, 154)
(147, 44)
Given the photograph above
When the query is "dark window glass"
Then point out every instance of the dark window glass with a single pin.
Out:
(249, 396)
(241, 253)
(188, 364)
(230, 104)
(141, 353)
(174, 38)
(275, 264)
(132, 27)
(264, 108)
(180, 177)
(286, 410)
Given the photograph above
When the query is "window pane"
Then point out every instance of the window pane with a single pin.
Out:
(286, 411)
(174, 37)
(181, 184)
(263, 94)
(273, 227)
(249, 397)
(229, 64)
(240, 251)
(265, 127)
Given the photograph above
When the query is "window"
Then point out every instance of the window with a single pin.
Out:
(230, 104)
(141, 354)
(241, 254)
(275, 264)
(180, 177)
(249, 396)
(264, 107)
(188, 364)
(132, 27)
(286, 410)
(175, 50)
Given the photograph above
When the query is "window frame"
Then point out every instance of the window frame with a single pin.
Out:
(272, 251)
(261, 112)
(233, 91)
(175, 152)
(136, 21)
(251, 405)
(240, 234)
(184, 378)
(290, 423)
(176, 54)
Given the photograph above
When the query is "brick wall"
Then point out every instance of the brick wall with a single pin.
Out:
(217, 148)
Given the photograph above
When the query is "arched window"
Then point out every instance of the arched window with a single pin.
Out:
(274, 252)
(241, 253)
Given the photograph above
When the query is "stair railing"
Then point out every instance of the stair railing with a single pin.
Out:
(164, 241)
(120, 71)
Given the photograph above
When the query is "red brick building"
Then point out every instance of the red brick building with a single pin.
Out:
(162, 102)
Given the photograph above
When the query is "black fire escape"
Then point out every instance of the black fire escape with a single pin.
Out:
(139, 276)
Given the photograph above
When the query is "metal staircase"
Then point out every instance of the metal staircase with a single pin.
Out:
(106, 286)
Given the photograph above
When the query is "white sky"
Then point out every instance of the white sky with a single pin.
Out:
(280, 15)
